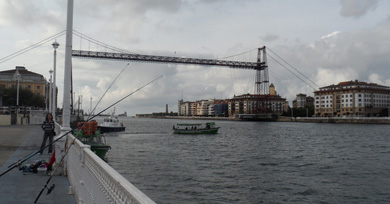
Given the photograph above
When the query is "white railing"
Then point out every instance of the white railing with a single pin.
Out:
(94, 181)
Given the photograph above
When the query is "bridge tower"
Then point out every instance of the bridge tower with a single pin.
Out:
(262, 78)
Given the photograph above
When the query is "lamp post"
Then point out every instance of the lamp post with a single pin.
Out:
(50, 92)
(54, 106)
(17, 92)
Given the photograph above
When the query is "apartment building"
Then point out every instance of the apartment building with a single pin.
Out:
(351, 98)
(303, 100)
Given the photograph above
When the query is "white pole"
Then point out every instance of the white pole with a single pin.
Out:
(60, 145)
(55, 46)
(68, 67)
(17, 94)
(50, 92)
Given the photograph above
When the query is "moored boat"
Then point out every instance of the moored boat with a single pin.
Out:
(196, 128)
(111, 124)
(88, 134)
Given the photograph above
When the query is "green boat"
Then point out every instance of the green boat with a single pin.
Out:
(89, 134)
(195, 128)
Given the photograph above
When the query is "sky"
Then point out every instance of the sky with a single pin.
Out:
(323, 42)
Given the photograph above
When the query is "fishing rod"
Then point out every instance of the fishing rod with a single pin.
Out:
(67, 150)
(19, 162)
(109, 88)
(91, 111)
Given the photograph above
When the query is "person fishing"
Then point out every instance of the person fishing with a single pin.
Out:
(48, 127)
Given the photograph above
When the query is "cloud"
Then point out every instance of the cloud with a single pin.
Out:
(270, 37)
(331, 35)
(357, 8)
(378, 79)
(329, 76)
(18, 12)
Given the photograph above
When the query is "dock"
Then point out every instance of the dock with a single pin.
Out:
(17, 142)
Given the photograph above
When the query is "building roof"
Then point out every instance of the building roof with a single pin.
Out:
(258, 97)
(21, 70)
(352, 85)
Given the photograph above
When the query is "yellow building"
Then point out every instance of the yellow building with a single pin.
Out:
(351, 98)
(27, 80)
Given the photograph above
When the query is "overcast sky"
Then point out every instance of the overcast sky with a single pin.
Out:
(327, 41)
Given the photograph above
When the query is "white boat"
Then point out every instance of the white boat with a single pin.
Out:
(111, 124)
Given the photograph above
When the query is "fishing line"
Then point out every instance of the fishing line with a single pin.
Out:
(19, 162)
(109, 88)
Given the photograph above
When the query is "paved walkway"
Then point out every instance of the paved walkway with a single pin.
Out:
(17, 142)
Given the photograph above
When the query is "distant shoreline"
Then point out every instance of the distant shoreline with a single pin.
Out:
(355, 120)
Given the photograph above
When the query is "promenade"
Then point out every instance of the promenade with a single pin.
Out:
(17, 142)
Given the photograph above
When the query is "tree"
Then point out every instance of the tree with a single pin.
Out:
(26, 98)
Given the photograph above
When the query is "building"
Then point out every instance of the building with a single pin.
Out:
(203, 107)
(221, 108)
(243, 104)
(302, 101)
(351, 98)
(27, 80)
(257, 103)
(211, 107)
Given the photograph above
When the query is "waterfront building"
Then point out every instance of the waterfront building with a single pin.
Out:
(36, 83)
(243, 104)
(211, 107)
(351, 98)
(221, 108)
(187, 108)
(257, 103)
(302, 100)
(202, 107)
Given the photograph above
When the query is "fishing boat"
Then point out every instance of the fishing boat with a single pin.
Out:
(111, 124)
(89, 134)
(196, 128)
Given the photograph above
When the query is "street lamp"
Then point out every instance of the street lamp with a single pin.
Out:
(50, 92)
(17, 92)
(54, 106)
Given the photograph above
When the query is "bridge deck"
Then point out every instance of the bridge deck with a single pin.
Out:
(16, 143)
(167, 59)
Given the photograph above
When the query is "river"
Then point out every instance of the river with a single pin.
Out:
(255, 162)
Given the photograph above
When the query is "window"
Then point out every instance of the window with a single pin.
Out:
(38, 87)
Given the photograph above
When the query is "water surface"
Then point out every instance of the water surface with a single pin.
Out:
(255, 162)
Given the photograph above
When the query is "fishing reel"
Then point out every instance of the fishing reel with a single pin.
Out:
(49, 190)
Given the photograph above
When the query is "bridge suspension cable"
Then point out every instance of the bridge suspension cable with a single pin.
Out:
(293, 68)
(33, 46)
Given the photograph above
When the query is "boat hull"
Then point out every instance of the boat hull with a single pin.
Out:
(197, 131)
(111, 129)
(100, 150)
